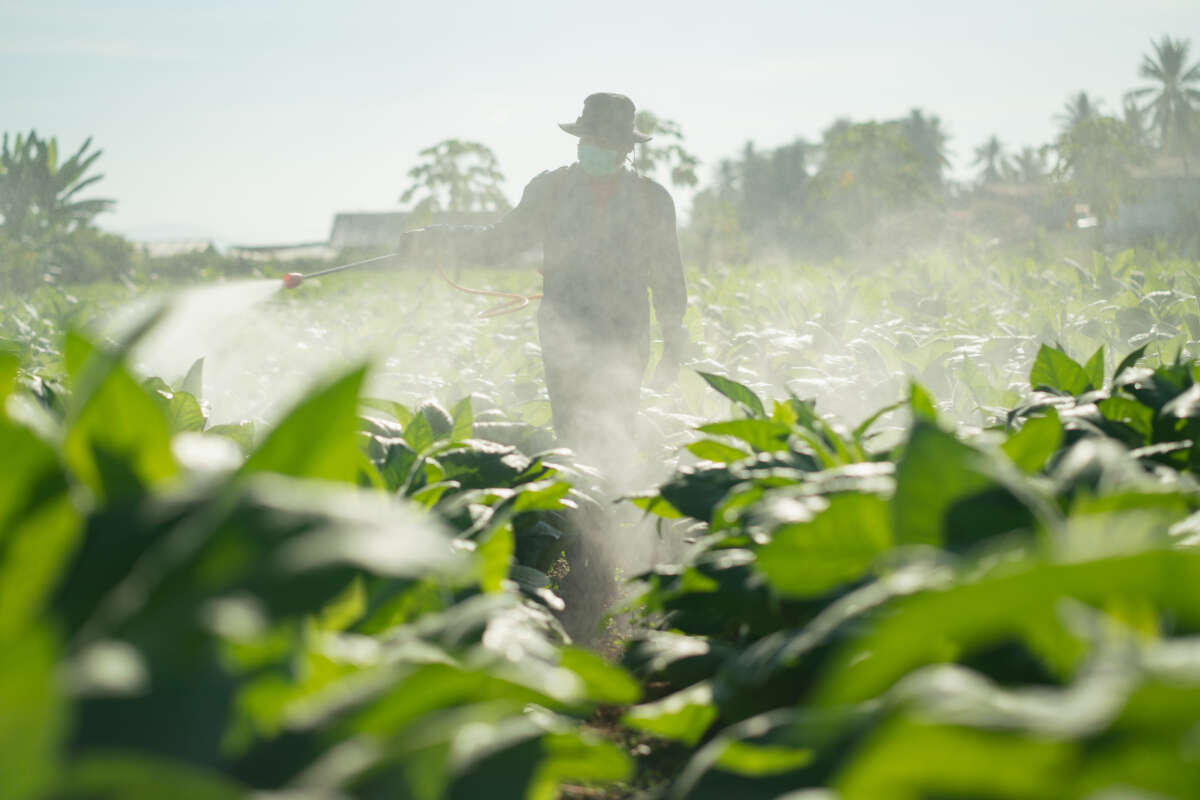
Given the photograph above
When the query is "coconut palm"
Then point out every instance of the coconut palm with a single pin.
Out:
(1078, 108)
(1175, 96)
(1135, 117)
(1031, 165)
(991, 157)
(928, 141)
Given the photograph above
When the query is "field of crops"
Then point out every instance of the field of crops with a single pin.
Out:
(907, 530)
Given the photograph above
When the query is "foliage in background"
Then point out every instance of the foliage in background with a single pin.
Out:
(458, 177)
(38, 194)
(666, 150)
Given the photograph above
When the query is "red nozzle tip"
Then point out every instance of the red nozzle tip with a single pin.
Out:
(292, 280)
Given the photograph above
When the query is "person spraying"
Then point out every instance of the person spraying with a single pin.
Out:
(610, 246)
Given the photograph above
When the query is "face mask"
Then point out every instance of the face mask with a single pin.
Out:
(599, 162)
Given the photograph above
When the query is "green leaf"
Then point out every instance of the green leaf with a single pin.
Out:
(1022, 601)
(1095, 368)
(33, 725)
(117, 439)
(684, 716)
(737, 393)
(241, 433)
(655, 504)
(184, 413)
(605, 682)
(463, 421)
(1038, 439)
(39, 527)
(9, 363)
(193, 382)
(1055, 370)
(419, 433)
(578, 758)
(940, 495)
(895, 763)
(1129, 361)
(1129, 412)
(318, 438)
(395, 410)
(921, 402)
(711, 450)
(140, 777)
(762, 435)
(495, 558)
(807, 559)
(761, 760)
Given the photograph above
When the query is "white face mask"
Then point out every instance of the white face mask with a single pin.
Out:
(599, 162)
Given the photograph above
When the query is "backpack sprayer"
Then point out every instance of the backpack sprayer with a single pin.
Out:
(511, 301)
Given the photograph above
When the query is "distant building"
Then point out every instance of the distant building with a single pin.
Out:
(1166, 199)
(283, 252)
(382, 229)
(164, 248)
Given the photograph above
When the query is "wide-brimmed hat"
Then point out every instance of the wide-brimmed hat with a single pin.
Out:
(608, 117)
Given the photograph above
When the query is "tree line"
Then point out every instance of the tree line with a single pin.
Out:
(859, 185)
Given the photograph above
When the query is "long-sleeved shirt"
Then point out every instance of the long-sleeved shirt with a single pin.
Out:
(605, 243)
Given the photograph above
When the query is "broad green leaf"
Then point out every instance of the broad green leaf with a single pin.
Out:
(895, 762)
(1095, 368)
(760, 760)
(762, 435)
(193, 381)
(737, 393)
(39, 527)
(463, 421)
(936, 472)
(495, 558)
(184, 413)
(807, 559)
(141, 777)
(684, 716)
(1058, 372)
(398, 412)
(1129, 361)
(242, 433)
(921, 402)
(998, 606)
(1038, 439)
(34, 721)
(117, 438)
(318, 438)
(440, 421)
(9, 363)
(655, 504)
(577, 758)
(1129, 412)
(419, 433)
(711, 450)
(605, 682)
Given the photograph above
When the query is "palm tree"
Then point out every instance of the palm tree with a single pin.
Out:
(990, 155)
(1078, 108)
(1030, 165)
(1175, 96)
(928, 141)
(1135, 117)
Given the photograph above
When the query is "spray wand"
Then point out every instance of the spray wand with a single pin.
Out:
(511, 301)
(294, 279)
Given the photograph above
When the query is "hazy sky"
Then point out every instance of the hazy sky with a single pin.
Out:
(253, 122)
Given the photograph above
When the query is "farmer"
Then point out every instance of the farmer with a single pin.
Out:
(608, 235)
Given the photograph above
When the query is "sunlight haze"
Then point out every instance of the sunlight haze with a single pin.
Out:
(256, 122)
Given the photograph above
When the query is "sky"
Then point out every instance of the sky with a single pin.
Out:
(255, 122)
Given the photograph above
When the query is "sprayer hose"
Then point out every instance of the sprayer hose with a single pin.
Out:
(512, 301)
